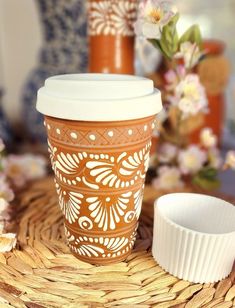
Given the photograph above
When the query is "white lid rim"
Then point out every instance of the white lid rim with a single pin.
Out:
(135, 108)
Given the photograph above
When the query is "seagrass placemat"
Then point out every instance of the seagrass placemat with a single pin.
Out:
(41, 272)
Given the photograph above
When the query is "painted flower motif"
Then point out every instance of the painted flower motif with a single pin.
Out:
(123, 16)
(2, 145)
(191, 159)
(214, 158)
(190, 53)
(153, 16)
(70, 203)
(190, 95)
(112, 17)
(138, 199)
(131, 167)
(207, 138)
(101, 22)
(167, 152)
(168, 178)
(230, 159)
(7, 242)
(105, 212)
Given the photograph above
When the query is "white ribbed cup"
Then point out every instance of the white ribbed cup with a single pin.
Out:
(194, 236)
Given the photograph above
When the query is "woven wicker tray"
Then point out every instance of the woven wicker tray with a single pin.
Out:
(42, 273)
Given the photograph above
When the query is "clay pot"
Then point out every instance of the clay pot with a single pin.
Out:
(99, 165)
(111, 36)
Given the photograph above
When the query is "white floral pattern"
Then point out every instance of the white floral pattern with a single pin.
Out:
(138, 198)
(107, 214)
(69, 203)
(112, 17)
(104, 169)
(100, 246)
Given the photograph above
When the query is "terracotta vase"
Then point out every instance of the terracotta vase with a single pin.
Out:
(99, 165)
(111, 36)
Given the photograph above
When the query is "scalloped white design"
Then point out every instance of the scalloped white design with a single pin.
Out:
(108, 246)
(69, 203)
(112, 17)
(104, 169)
(107, 214)
(138, 198)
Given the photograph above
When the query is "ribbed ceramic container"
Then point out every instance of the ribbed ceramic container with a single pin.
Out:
(194, 236)
(99, 134)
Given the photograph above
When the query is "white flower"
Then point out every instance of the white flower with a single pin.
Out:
(34, 166)
(22, 168)
(168, 178)
(3, 205)
(230, 159)
(153, 16)
(14, 170)
(191, 95)
(2, 145)
(190, 53)
(191, 159)
(6, 192)
(167, 152)
(214, 158)
(7, 242)
(207, 138)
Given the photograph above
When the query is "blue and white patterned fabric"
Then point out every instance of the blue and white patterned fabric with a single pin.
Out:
(64, 51)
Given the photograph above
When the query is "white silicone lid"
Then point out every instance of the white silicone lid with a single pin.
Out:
(98, 97)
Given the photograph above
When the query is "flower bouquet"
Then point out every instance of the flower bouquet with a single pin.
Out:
(15, 172)
(177, 161)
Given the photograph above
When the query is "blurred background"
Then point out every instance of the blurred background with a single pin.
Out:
(40, 38)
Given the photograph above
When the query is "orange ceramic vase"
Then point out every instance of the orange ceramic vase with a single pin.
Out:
(111, 36)
(99, 165)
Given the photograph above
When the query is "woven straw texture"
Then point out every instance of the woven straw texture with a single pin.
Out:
(41, 272)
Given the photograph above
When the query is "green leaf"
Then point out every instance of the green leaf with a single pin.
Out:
(193, 35)
(206, 178)
(206, 183)
(169, 38)
(208, 173)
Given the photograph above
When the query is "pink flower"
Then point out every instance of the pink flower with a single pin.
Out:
(14, 170)
(230, 159)
(168, 178)
(2, 145)
(191, 159)
(191, 96)
(167, 152)
(153, 16)
(6, 192)
(34, 166)
(190, 53)
(3, 205)
(23, 168)
(207, 138)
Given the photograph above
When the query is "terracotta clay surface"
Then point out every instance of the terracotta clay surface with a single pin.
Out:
(99, 174)
(111, 36)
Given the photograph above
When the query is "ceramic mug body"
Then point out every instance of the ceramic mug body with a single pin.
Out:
(99, 173)
(99, 130)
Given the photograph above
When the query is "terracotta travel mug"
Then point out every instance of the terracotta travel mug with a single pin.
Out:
(99, 135)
